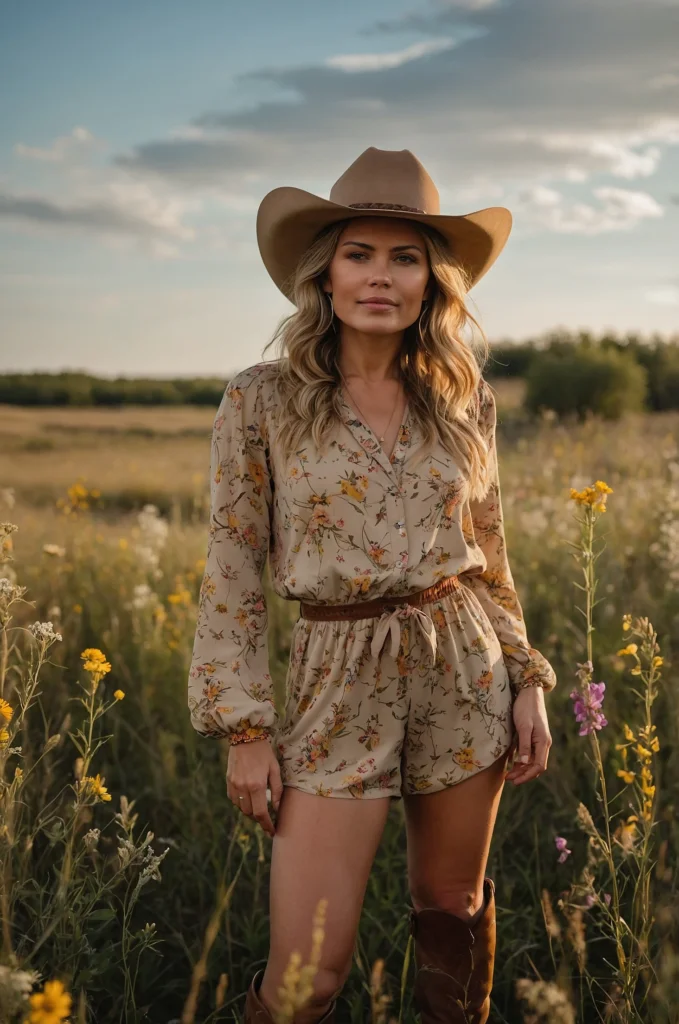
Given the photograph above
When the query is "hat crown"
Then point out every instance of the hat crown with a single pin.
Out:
(387, 179)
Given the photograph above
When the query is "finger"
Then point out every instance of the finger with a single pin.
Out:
(275, 784)
(525, 743)
(517, 771)
(239, 796)
(260, 809)
(538, 765)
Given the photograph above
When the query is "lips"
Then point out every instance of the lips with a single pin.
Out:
(381, 302)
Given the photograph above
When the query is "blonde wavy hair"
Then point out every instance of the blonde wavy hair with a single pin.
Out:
(441, 372)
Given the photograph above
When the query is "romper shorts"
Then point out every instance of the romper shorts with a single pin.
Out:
(366, 718)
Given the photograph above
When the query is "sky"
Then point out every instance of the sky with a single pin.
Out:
(137, 141)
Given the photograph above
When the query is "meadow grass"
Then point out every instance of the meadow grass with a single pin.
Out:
(133, 890)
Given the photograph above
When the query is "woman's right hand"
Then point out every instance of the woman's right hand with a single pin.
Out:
(252, 768)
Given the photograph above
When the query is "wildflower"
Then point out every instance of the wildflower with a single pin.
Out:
(118, 694)
(91, 839)
(630, 649)
(95, 661)
(587, 704)
(6, 710)
(594, 497)
(629, 735)
(562, 847)
(544, 1001)
(54, 549)
(44, 632)
(94, 785)
(49, 1006)
(627, 777)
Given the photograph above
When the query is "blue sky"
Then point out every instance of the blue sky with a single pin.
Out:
(137, 140)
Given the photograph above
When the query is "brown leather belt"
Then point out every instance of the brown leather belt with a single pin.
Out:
(402, 606)
(366, 609)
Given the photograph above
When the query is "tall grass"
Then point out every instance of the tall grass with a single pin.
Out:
(132, 890)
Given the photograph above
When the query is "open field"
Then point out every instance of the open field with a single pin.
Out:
(121, 584)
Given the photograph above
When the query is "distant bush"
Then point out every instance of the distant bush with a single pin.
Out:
(568, 371)
(79, 389)
(586, 379)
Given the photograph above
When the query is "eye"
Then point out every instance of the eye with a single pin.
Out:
(409, 258)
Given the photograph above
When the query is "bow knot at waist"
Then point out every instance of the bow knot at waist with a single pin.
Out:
(390, 622)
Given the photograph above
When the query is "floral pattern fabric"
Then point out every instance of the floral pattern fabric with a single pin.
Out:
(343, 526)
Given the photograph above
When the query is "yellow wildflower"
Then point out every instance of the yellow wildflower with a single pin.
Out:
(49, 1006)
(643, 754)
(657, 661)
(629, 735)
(118, 694)
(95, 786)
(627, 777)
(95, 661)
(630, 649)
(6, 710)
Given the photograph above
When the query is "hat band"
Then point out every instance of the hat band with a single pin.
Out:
(385, 206)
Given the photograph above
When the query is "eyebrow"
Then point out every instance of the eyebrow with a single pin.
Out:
(394, 248)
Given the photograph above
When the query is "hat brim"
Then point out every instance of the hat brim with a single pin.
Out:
(289, 218)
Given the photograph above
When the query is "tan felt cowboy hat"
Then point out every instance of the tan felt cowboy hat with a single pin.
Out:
(380, 182)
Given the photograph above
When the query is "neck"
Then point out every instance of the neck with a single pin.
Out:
(371, 357)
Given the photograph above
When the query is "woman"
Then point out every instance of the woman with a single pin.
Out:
(363, 461)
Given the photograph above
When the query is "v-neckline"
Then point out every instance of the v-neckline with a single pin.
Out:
(371, 442)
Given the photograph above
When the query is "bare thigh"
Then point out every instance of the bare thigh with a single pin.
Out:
(449, 834)
(323, 847)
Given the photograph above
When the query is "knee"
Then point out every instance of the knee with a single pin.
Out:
(464, 899)
(327, 985)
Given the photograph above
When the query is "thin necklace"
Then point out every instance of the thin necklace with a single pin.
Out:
(380, 439)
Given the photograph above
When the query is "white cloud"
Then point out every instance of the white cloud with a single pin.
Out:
(353, 62)
(663, 295)
(65, 148)
(620, 210)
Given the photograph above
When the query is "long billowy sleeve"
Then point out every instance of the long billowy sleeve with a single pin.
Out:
(494, 586)
(230, 691)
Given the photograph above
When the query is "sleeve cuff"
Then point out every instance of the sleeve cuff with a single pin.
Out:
(527, 667)
(250, 735)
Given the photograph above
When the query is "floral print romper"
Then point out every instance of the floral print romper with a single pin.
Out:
(410, 701)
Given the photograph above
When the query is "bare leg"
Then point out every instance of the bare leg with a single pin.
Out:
(449, 834)
(324, 846)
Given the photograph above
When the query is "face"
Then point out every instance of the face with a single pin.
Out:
(379, 258)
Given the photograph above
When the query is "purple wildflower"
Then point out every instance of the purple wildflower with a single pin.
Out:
(607, 897)
(562, 847)
(587, 703)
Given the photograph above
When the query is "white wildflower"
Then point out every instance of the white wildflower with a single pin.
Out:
(15, 988)
(54, 549)
(9, 591)
(44, 632)
(91, 839)
(154, 531)
(143, 597)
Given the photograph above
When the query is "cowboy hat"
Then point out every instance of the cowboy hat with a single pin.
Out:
(380, 182)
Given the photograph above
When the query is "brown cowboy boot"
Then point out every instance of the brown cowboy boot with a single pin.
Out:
(454, 963)
(257, 1013)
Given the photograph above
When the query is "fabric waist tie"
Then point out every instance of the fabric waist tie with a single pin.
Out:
(391, 609)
